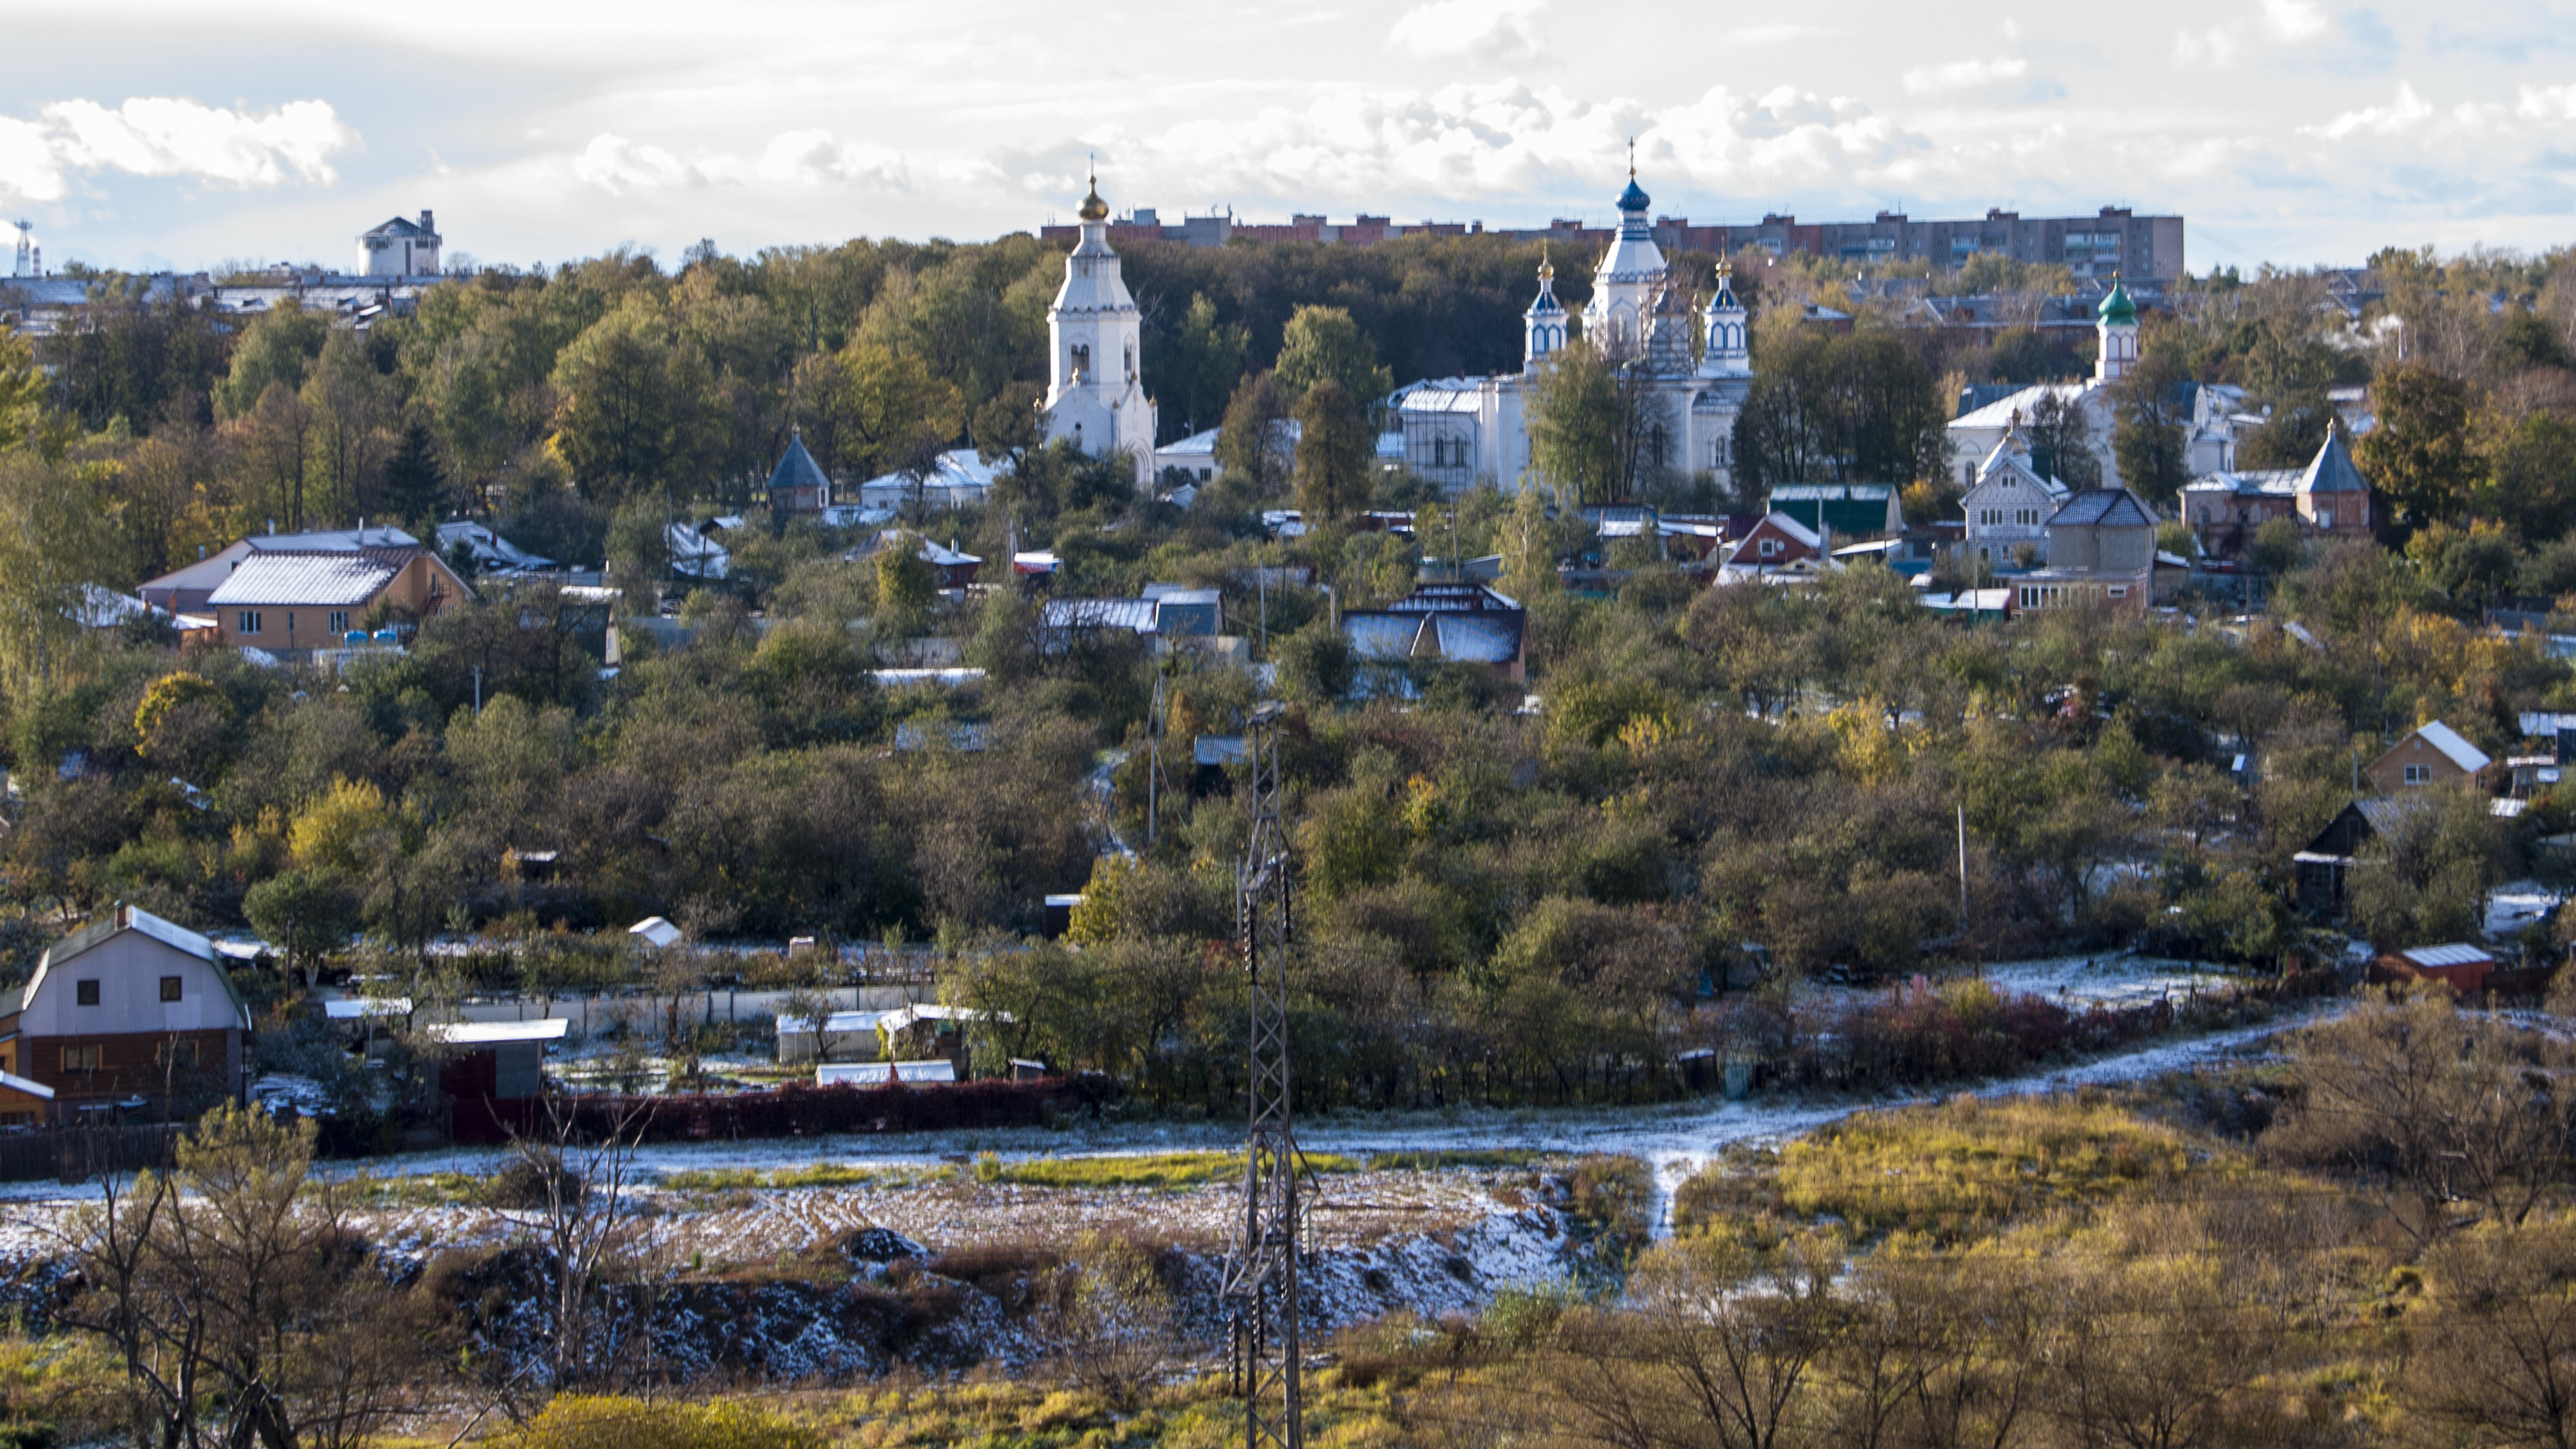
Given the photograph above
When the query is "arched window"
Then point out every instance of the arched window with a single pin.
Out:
(1081, 361)
(1131, 362)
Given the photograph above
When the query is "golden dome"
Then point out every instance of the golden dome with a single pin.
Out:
(1093, 208)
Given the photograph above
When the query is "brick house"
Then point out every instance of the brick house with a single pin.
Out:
(129, 1010)
(283, 602)
(2329, 498)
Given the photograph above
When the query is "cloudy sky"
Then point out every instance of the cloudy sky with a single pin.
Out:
(138, 133)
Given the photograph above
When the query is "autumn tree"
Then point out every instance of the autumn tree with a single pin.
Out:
(1333, 448)
(1251, 448)
(2418, 456)
(1323, 344)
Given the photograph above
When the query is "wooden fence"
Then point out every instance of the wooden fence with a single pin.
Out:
(72, 1154)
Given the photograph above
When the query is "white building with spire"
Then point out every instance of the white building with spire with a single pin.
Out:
(1696, 363)
(1095, 398)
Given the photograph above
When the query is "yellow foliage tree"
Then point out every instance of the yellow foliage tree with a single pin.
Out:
(329, 831)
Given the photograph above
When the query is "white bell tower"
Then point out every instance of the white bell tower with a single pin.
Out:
(1725, 349)
(2115, 329)
(1095, 397)
(1543, 325)
(1630, 279)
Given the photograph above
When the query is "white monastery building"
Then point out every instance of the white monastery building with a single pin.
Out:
(1697, 366)
(401, 248)
(1094, 398)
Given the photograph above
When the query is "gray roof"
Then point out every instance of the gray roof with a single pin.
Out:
(797, 468)
(2331, 471)
(1135, 615)
(2103, 508)
(401, 226)
(317, 579)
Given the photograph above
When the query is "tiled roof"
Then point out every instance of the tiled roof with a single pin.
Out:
(317, 579)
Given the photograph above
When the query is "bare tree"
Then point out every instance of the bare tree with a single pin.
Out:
(576, 1211)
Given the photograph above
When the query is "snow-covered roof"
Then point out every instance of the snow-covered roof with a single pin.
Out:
(491, 551)
(656, 931)
(100, 607)
(2000, 412)
(10, 1082)
(904, 1016)
(2451, 955)
(316, 579)
(2455, 749)
(954, 469)
(500, 1033)
(831, 1074)
(359, 1008)
(838, 1023)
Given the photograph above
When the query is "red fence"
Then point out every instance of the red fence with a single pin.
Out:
(797, 1110)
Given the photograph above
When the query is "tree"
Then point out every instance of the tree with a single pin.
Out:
(1859, 409)
(2418, 457)
(352, 405)
(1584, 424)
(2061, 442)
(2148, 437)
(22, 392)
(275, 445)
(308, 913)
(241, 1296)
(865, 407)
(1196, 373)
(1109, 1319)
(624, 427)
(1333, 448)
(1323, 344)
(576, 1178)
(415, 486)
(906, 586)
(278, 349)
(1251, 448)
(1008, 424)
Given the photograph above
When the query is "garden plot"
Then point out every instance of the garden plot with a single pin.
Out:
(2110, 979)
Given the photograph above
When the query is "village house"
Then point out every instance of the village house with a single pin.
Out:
(129, 1011)
(2430, 754)
(2101, 548)
(2329, 498)
(1449, 623)
(1776, 545)
(286, 602)
(185, 590)
(2010, 505)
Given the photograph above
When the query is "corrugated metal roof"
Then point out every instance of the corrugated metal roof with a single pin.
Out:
(2455, 749)
(1134, 615)
(1381, 638)
(1478, 638)
(2452, 955)
(2103, 508)
(317, 579)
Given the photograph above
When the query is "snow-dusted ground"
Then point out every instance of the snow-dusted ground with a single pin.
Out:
(2106, 978)
(2514, 907)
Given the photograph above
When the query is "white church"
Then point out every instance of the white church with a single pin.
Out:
(1094, 397)
(1461, 432)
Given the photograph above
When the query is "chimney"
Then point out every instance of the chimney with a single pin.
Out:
(425, 224)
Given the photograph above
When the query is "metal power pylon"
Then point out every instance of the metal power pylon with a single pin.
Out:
(24, 265)
(1261, 1277)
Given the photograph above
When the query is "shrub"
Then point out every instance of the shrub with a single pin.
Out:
(614, 1423)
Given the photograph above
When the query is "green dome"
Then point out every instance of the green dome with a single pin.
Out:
(2117, 307)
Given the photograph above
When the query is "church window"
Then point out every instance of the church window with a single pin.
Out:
(1721, 451)
(1131, 362)
(1081, 361)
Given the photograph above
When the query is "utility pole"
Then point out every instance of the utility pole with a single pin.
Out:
(1261, 1275)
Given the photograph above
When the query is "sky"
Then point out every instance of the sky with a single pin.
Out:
(151, 133)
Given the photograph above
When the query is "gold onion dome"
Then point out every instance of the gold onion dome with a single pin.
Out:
(1093, 208)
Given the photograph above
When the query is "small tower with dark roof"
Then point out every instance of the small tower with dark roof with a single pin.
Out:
(2115, 326)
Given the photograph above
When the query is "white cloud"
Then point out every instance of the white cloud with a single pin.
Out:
(2403, 114)
(814, 158)
(2547, 103)
(617, 166)
(1777, 34)
(2293, 20)
(2005, 79)
(165, 136)
(2208, 49)
(1488, 29)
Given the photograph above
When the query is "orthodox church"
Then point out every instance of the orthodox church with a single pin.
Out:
(1094, 399)
(1460, 432)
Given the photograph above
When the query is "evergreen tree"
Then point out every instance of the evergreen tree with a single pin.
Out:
(415, 484)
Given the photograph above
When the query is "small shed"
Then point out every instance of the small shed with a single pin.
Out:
(656, 932)
(24, 1103)
(2464, 968)
(500, 1061)
(846, 1036)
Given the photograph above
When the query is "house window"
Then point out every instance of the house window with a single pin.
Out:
(85, 993)
(2325, 518)
(290, 621)
(169, 988)
(81, 1058)
(339, 621)
(180, 1052)
(249, 622)
(2119, 591)
(1770, 548)
(2419, 774)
